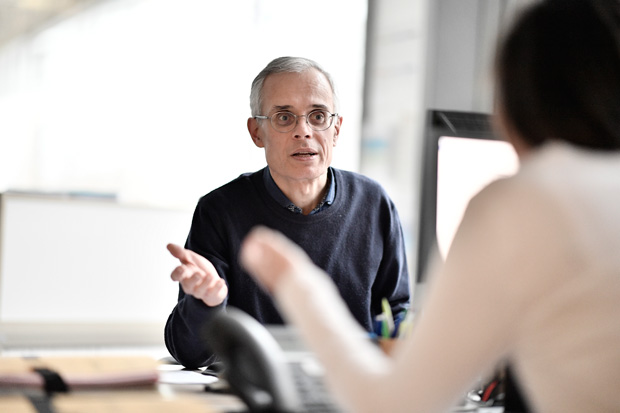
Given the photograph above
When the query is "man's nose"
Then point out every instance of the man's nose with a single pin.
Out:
(302, 127)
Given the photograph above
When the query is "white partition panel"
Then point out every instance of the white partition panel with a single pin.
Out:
(85, 270)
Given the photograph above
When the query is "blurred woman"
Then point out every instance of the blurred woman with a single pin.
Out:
(533, 274)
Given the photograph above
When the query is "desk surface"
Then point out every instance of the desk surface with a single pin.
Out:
(175, 383)
(216, 402)
(177, 391)
(158, 398)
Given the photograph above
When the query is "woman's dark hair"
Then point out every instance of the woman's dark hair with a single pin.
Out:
(558, 73)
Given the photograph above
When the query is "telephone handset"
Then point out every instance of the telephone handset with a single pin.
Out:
(254, 363)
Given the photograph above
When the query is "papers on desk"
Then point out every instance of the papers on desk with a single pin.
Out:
(177, 375)
(80, 372)
(102, 384)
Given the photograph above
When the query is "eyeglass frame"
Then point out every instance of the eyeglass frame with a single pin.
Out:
(294, 125)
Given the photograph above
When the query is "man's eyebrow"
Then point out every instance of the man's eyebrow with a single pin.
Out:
(278, 108)
(320, 106)
(283, 107)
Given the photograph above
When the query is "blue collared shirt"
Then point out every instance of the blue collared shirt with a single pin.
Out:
(277, 194)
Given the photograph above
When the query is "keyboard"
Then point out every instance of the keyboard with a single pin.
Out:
(311, 389)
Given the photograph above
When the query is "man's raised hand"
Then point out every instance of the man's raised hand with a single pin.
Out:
(198, 276)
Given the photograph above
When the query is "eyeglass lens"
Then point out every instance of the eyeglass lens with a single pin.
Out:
(317, 119)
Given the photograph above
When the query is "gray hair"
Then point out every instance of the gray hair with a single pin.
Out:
(285, 64)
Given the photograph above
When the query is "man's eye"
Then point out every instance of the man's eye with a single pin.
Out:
(318, 117)
(283, 117)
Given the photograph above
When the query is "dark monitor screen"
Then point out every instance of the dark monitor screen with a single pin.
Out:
(462, 154)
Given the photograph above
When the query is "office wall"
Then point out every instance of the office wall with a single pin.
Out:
(462, 41)
(394, 101)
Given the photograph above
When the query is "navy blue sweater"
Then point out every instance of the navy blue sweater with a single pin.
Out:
(358, 241)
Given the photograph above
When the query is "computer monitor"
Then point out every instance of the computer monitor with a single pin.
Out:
(462, 154)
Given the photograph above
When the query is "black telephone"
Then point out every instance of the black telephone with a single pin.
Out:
(254, 363)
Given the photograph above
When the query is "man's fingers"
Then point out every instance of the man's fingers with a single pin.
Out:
(177, 273)
(187, 275)
(189, 257)
(197, 276)
(216, 293)
(206, 287)
(181, 253)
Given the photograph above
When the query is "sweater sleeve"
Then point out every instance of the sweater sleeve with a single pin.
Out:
(392, 280)
(183, 334)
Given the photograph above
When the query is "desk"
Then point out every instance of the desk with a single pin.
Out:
(183, 393)
(122, 401)
(218, 401)
(161, 398)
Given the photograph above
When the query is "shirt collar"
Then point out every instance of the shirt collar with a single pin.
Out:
(276, 193)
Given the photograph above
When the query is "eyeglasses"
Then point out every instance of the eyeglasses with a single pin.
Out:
(285, 121)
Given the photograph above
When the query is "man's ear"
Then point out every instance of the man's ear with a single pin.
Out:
(253, 128)
(337, 129)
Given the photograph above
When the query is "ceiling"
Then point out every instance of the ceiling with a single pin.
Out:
(19, 17)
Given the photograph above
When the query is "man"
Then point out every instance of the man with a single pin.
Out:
(345, 222)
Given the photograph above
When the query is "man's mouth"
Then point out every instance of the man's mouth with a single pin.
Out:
(304, 153)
